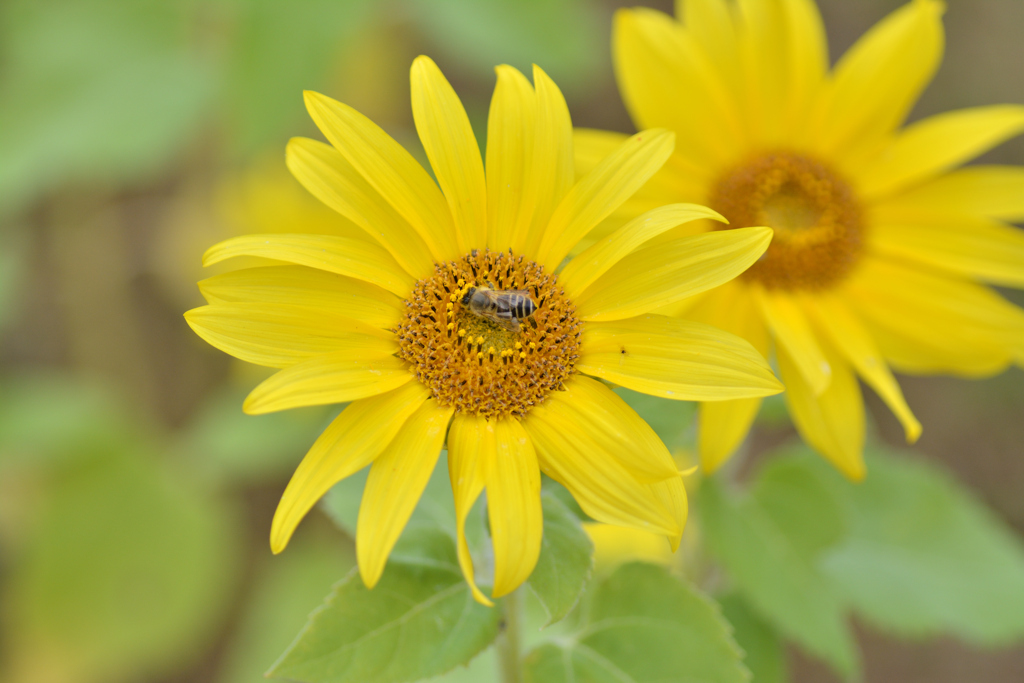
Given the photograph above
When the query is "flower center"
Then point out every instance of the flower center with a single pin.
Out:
(817, 220)
(474, 342)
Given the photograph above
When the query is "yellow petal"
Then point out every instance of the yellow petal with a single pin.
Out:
(471, 450)
(601, 191)
(722, 427)
(332, 378)
(599, 420)
(350, 443)
(928, 323)
(389, 168)
(677, 359)
(600, 484)
(832, 422)
(667, 81)
(396, 482)
(358, 258)
(448, 139)
(510, 127)
(279, 335)
(301, 286)
(929, 147)
(878, 80)
(854, 342)
(513, 506)
(792, 330)
(672, 495)
(966, 245)
(657, 275)
(616, 545)
(329, 177)
(711, 26)
(584, 269)
(989, 191)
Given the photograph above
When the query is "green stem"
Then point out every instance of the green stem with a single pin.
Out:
(509, 656)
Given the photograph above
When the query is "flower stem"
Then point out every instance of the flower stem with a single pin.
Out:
(509, 657)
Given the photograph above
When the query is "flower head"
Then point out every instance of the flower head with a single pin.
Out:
(881, 253)
(452, 320)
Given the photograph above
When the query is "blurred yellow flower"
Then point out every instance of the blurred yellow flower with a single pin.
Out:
(615, 545)
(381, 320)
(881, 252)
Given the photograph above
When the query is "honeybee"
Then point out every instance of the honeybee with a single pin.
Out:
(506, 307)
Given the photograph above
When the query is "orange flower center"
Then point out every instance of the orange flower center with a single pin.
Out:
(484, 355)
(817, 220)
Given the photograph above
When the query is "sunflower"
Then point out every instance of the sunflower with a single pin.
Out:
(384, 321)
(882, 252)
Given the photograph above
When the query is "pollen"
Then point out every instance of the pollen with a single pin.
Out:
(477, 365)
(817, 220)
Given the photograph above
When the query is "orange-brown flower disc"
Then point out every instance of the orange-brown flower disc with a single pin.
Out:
(817, 220)
(477, 365)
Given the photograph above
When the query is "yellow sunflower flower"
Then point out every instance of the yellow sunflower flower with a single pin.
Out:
(881, 252)
(388, 322)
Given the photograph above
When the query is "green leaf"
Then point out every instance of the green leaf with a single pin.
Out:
(776, 576)
(924, 557)
(765, 653)
(127, 570)
(565, 563)
(419, 621)
(643, 626)
(672, 421)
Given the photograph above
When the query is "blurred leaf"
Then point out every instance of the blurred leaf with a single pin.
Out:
(565, 563)
(281, 49)
(127, 569)
(672, 421)
(14, 259)
(289, 586)
(775, 575)
(95, 91)
(421, 610)
(642, 626)
(765, 653)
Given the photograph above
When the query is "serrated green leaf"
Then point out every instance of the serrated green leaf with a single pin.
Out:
(419, 621)
(642, 626)
(765, 654)
(565, 562)
(775, 576)
(672, 421)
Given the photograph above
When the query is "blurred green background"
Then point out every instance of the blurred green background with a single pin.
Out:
(135, 497)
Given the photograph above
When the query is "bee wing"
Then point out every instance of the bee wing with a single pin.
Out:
(520, 292)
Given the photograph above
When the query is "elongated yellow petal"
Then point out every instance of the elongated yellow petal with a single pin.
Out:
(721, 428)
(710, 25)
(605, 489)
(878, 80)
(832, 422)
(667, 81)
(792, 330)
(350, 443)
(279, 335)
(966, 245)
(471, 451)
(389, 168)
(672, 495)
(510, 132)
(938, 143)
(927, 323)
(584, 269)
(549, 167)
(448, 139)
(301, 286)
(361, 259)
(854, 342)
(396, 482)
(602, 190)
(329, 177)
(332, 378)
(661, 274)
(990, 191)
(513, 506)
(678, 180)
(677, 359)
(594, 415)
